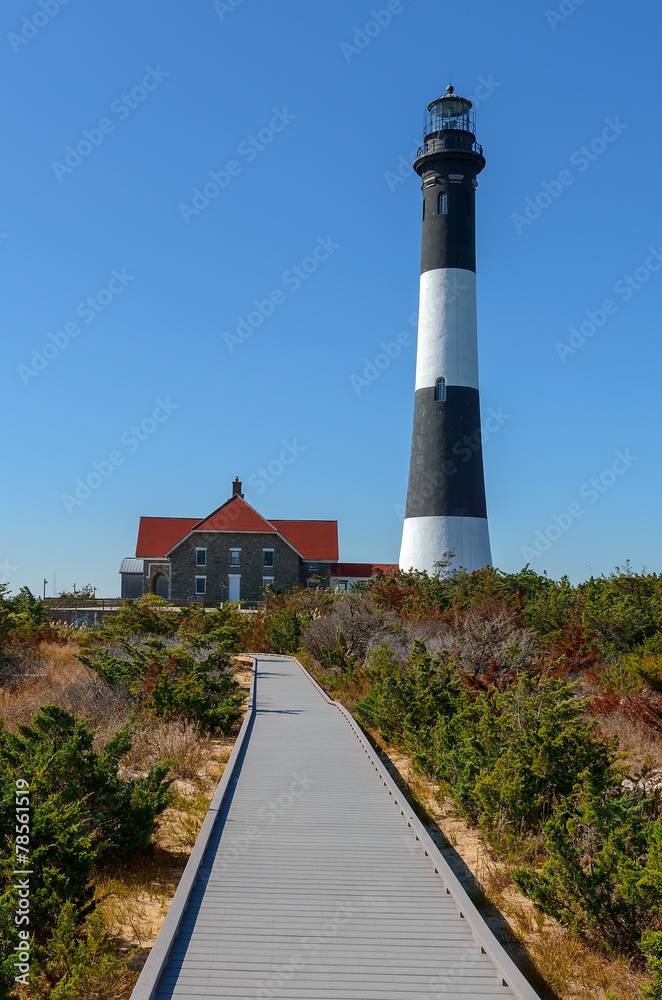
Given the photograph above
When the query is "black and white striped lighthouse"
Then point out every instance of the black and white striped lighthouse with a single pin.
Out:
(446, 510)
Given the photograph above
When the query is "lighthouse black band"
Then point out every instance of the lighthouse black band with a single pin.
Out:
(449, 238)
(446, 470)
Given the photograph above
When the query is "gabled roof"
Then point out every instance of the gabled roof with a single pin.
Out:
(313, 539)
(235, 515)
(157, 535)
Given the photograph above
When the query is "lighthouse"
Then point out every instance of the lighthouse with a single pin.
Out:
(446, 510)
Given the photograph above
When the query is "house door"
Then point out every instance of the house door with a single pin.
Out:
(234, 587)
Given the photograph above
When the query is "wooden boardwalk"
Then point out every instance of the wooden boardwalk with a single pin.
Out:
(312, 878)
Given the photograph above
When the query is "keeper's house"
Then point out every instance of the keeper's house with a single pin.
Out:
(229, 556)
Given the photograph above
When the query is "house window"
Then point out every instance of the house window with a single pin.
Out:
(440, 390)
(201, 584)
(234, 557)
(313, 567)
(443, 203)
(201, 557)
(267, 581)
(268, 557)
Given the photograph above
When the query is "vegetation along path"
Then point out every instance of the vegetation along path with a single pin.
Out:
(312, 878)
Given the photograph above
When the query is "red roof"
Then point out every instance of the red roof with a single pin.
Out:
(157, 535)
(362, 570)
(313, 539)
(235, 515)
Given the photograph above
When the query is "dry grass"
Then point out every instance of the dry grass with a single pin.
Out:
(177, 741)
(243, 671)
(639, 745)
(134, 903)
(570, 968)
(52, 674)
(180, 823)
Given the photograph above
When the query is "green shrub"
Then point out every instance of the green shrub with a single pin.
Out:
(76, 967)
(651, 945)
(623, 610)
(21, 615)
(9, 939)
(644, 663)
(405, 704)
(170, 683)
(283, 631)
(149, 615)
(603, 874)
(79, 809)
(509, 757)
(220, 628)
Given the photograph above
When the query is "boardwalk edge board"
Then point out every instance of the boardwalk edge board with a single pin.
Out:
(160, 952)
(489, 944)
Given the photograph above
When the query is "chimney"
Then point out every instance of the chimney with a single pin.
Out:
(236, 488)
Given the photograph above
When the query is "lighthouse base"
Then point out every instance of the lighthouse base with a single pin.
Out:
(428, 540)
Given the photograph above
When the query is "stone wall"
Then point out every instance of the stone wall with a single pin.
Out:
(183, 568)
(320, 569)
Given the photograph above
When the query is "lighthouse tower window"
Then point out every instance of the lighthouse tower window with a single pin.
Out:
(443, 203)
(440, 390)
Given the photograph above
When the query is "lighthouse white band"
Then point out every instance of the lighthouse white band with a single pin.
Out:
(425, 539)
(447, 328)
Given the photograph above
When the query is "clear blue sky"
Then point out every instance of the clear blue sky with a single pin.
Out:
(345, 108)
